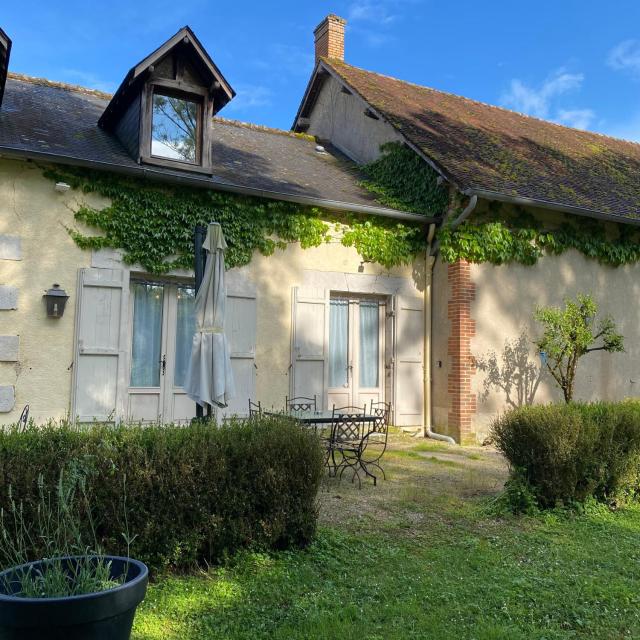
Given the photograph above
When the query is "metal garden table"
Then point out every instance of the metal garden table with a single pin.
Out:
(346, 445)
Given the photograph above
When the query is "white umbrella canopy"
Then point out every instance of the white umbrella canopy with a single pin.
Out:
(209, 379)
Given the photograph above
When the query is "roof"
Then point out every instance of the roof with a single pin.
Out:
(130, 86)
(58, 122)
(489, 150)
(5, 52)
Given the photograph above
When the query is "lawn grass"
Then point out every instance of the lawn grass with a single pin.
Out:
(419, 556)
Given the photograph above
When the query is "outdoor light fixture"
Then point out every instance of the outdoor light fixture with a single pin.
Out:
(55, 299)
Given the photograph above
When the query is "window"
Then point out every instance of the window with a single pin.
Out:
(185, 328)
(147, 334)
(175, 128)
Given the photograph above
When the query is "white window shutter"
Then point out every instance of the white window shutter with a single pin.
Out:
(240, 327)
(309, 343)
(409, 361)
(99, 380)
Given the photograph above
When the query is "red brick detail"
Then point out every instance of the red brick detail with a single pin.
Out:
(329, 37)
(462, 401)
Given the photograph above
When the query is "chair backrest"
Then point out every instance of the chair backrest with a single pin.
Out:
(382, 412)
(300, 403)
(255, 408)
(348, 423)
(23, 421)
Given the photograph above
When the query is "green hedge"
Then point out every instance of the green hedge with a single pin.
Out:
(568, 453)
(192, 494)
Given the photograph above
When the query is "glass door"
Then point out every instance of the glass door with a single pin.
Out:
(162, 325)
(356, 351)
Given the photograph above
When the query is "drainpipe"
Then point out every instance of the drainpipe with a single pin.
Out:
(428, 276)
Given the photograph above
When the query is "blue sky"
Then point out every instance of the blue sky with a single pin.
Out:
(575, 62)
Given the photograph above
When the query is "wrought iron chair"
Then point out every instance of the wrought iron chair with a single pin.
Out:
(300, 403)
(23, 421)
(255, 408)
(348, 429)
(374, 442)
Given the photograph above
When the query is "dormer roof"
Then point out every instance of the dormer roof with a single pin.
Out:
(186, 43)
(5, 52)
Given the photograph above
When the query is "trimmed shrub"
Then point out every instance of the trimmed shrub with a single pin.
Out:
(189, 494)
(569, 453)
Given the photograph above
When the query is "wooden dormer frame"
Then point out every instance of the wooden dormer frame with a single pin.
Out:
(191, 92)
(129, 113)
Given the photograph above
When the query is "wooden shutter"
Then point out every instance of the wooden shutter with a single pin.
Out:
(240, 327)
(309, 343)
(409, 360)
(99, 380)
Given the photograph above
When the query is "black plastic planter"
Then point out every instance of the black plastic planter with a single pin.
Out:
(106, 615)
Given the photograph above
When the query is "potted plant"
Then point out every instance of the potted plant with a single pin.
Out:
(73, 591)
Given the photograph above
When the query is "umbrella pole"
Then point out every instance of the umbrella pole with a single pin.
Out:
(200, 257)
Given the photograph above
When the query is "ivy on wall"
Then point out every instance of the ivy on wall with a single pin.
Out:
(501, 237)
(152, 223)
(401, 179)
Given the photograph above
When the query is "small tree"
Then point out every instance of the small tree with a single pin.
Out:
(571, 333)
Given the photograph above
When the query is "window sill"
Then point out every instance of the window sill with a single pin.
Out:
(175, 164)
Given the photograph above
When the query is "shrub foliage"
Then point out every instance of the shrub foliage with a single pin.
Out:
(184, 495)
(570, 453)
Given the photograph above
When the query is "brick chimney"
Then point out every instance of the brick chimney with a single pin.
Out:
(329, 35)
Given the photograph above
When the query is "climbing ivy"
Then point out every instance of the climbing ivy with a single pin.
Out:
(500, 237)
(401, 179)
(153, 223)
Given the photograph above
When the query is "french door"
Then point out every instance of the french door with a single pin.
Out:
(356, 351)
(162, 325)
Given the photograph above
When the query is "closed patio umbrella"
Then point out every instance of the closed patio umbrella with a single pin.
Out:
(209, 379)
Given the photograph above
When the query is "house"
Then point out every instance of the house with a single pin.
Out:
(444, 334)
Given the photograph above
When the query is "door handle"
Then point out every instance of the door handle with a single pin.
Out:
(163, 363)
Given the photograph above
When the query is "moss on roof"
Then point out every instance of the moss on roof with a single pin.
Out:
(483, 147)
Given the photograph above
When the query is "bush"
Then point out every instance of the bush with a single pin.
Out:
(188, 494)
(569, 453)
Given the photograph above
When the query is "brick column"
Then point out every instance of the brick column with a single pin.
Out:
(462, 401)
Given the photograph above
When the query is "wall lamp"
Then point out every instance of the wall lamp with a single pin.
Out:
(55, 299)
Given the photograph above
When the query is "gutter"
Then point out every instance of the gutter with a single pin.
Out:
(429, 263)
(554, 206)
(210, 183)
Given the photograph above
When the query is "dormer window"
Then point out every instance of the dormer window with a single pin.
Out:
(176, 127)
(162, 113)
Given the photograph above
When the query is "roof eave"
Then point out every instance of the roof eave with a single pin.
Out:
(195, 180)
(553, 206)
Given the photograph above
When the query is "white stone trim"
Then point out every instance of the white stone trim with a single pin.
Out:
(7, 398)
(10, 247)
(9, 346)
(8, 297)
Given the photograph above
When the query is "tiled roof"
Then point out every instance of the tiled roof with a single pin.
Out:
(39, 116)
(487, 148)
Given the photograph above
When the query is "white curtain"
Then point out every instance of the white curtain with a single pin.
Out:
(369, 344)
(147, 334)
(185, 328)
(338, 342)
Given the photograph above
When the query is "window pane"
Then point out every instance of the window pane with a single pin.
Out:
(147, 334)
(185, 328)
(369, 344)
(174, 128)
(338, 342)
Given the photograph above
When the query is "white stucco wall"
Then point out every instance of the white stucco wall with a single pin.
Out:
(339, 117)
(506, 297)
(31, 209)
